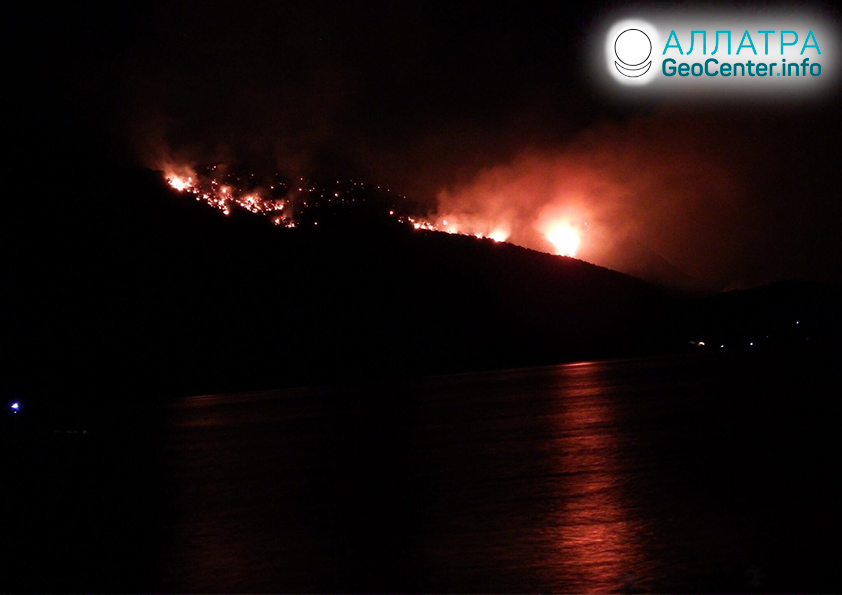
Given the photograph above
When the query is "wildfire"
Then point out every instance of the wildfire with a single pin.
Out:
(564, 238)
(221, 194)
(293, 203)
(179, 183)
(499, 234)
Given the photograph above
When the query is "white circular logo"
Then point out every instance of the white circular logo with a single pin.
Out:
(633, 48)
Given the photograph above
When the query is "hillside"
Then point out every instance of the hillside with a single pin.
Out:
(116, 282)
(120, 282)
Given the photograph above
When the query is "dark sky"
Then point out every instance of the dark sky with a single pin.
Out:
(441, 101)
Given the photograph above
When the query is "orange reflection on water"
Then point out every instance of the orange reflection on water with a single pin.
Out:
(597, 541)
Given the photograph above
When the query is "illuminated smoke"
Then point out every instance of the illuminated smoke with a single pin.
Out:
(655, 197)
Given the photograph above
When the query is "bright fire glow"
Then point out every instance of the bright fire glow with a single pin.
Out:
(500, 234)
(180, 183)
(564, 239)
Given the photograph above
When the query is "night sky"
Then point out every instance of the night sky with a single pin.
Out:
(465, 108)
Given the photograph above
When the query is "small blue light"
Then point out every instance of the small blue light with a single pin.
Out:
(15, 406)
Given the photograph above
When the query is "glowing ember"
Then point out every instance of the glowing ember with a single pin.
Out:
(564, 239)
(222, 196)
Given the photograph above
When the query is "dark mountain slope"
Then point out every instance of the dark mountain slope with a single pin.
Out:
(119, 282)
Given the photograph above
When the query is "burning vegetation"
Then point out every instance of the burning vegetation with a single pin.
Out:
(293, 202)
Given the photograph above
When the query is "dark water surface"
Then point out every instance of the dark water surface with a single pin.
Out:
(679, 474)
